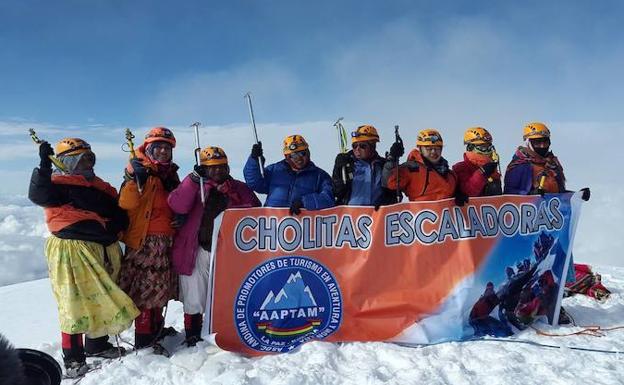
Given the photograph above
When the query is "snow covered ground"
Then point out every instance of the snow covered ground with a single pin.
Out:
(29, 320)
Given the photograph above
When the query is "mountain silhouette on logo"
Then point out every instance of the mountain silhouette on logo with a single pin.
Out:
(294, 294)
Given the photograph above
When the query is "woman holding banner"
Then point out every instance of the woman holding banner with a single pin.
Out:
(426, 176)
(534, 169)
(478, 173)
(294, 182)
(193, 242)
(361, 185)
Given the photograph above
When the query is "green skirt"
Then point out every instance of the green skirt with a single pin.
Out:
(83, 276)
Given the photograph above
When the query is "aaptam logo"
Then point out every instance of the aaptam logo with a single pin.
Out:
(285, 302)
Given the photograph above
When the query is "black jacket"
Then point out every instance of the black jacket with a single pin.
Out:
(342, 190)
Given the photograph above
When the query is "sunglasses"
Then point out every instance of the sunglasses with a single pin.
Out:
(298, 154)
(363, 146)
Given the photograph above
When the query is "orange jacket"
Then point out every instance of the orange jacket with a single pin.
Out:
(421, 183)
(77, 208)
(148, 212)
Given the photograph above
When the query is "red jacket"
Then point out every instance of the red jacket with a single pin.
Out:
(471, 180)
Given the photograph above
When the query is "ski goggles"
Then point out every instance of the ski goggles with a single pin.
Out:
(431, 138)
(483, 148)
(357, 134)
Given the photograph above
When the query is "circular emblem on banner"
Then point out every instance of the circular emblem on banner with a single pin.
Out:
(285, 302)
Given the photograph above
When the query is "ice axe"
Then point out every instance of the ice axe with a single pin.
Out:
(495, 158)
(54, 159)
(253, 127)
(540, 188)
(130, 143)
(342, 144)
(397, 139)
(198, 161)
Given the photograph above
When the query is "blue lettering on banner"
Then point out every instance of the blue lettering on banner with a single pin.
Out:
(289, 234)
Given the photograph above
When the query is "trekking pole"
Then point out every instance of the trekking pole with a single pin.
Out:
(54, 159)
(253, 126)
(342, 144)
(130, 142)
(198, 162)
(397, 138)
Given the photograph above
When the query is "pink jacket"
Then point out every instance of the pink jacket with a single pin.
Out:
(185, 199)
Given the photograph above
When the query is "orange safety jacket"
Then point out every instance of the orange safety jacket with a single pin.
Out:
(76, 208)
(422, 183)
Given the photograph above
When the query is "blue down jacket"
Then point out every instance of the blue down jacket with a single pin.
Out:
(283, 185)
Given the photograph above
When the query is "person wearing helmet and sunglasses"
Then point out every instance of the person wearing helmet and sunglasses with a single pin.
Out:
(534, 169)
(362, 169)
(83, 252)
(478, 173)
(426, 176)
(193, 242)
(294, 182)
(147, 275)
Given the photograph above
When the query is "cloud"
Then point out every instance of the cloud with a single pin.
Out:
(217, 97)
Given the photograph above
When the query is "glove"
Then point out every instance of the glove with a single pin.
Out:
(460, 198)
(397, 150)
(198, 172)
(586, 194)
(178, 220)
(489, 168)
(342, 160)
(295, 207)
(256, 151)
(45, 150)
(140, 171)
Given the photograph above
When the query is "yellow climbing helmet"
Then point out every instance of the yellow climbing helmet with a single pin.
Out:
(71, 146)
(477, 136)
(294, 143)
(212, 156)
(535, 130)
(429, 137)
(365, 133)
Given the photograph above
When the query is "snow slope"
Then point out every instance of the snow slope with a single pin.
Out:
(29, 320)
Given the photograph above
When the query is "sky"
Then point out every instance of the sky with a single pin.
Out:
(90, 69)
